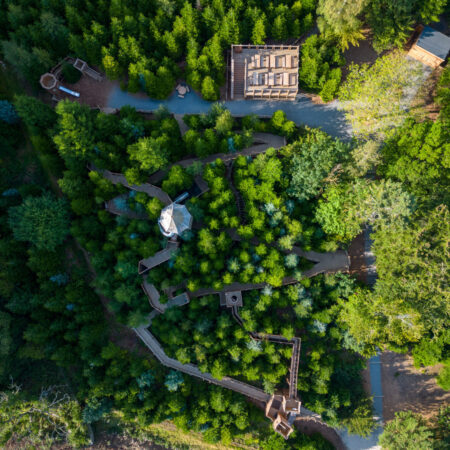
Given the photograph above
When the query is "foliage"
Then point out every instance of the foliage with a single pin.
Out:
(375, 98)
(319, 66)
(313, 160)
(43, 221)
(341, 22)
(8, 113)
(346, 207)
(443, 93)
(410, 298)
(70, 74)
(418, 155)
(150, 153)
(51, 418)
(392, 21)
(36, 115)
(406, 431)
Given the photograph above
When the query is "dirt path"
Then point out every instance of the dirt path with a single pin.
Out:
(408, 388)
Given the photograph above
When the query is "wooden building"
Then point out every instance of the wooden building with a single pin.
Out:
(264, 72)
(431, 47)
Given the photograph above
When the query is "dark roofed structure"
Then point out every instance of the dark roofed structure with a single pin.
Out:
(431, 48)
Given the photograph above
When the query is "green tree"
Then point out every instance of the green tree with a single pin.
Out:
(76, 133)
(51, 418)
(151, 153)
(348, 207)
(43, 221)
(210, 90)
(408, 431)
(38, 117)
(341, 21)
(419, 156)
(111, 65)
(259, 32)
(177, 180)
(313, 160)
(375, 98)
(224, 122)
(319, 67)
(410, 299)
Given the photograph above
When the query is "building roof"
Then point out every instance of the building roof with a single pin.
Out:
(174, 219)
(434, 42)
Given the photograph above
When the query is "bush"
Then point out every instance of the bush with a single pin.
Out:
(70, 74)
(443, 379)
(319, 62)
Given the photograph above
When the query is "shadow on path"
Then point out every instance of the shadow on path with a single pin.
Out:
(302, 111)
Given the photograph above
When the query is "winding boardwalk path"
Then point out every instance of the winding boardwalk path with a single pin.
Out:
(261, 143)
(149, 189)
(111, 206)
(230, 383)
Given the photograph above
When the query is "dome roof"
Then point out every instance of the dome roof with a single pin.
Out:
(174, 219)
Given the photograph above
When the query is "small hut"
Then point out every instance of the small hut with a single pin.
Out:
(174, 219)
(431, 48)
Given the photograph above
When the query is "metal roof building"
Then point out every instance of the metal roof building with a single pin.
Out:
(431, 48)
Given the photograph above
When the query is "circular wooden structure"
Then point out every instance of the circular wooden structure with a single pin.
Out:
(48, 81)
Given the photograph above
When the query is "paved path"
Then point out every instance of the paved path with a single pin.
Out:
(351, 441)
(355, 442)
(302, 111)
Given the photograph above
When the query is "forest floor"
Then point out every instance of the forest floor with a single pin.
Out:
(92, 93)
(423, 105)
(357, 258)
(408, 388)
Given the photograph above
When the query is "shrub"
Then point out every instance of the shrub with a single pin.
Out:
(70, 74)
(319, 62)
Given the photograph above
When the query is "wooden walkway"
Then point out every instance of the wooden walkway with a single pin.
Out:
(262, 142)
(149, 189)
(277, 339)
(153, 298)
(111, 207)
(229, 383)
(237, 195)
(158, 258)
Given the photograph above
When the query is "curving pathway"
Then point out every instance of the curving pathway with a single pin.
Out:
(261, 143)
(149, 189)
(302, 111)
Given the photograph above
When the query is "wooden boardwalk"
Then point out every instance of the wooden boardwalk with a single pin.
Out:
(237, 195)
(153, 298)
(111, 207)
(262, 142)
(149, 189)
(229, 383)
(158, 258)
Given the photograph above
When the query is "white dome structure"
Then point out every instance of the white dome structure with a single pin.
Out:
(174, 219)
